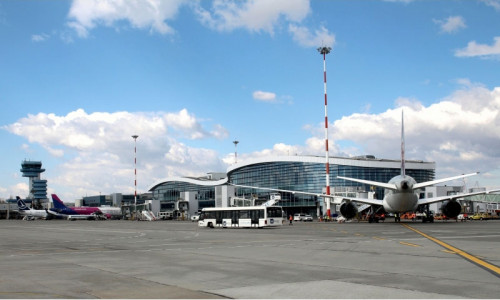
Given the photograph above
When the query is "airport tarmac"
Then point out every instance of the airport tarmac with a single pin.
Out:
(170, 259)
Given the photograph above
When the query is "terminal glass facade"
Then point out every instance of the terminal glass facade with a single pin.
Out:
(310, 177)
(169, 192)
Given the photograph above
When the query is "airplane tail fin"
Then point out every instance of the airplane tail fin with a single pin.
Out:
(57, 202)
(402, 145)
(21, 204)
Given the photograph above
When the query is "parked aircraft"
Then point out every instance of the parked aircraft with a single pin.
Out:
(29, 213)
(400, 194)
(111, 212)
(73, 213)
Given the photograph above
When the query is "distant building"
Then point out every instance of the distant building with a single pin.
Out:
(115, 200)
(37, 186)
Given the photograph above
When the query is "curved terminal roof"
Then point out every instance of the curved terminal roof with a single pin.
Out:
(368, 161)
(203, 181)
(359, 161)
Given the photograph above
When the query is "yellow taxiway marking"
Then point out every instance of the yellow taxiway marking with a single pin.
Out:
(490, 267)
(379, 238)
(409, 244)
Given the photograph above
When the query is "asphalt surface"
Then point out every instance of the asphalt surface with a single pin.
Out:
(170, 259)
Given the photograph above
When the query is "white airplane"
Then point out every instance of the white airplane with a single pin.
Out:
(111, 212)
(400, 193)
(29, 213)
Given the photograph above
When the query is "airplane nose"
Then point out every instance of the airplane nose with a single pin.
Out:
(404, 185)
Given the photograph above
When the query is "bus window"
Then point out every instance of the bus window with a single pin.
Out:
(255, 216)
(274, 212)
(235, 217)
(244, 214)
(218, 217)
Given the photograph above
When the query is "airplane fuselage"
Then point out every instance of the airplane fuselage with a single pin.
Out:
(33, 213)
(29, 212)
(404, 198)
(84, 211)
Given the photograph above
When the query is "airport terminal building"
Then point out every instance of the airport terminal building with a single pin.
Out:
(296, 173)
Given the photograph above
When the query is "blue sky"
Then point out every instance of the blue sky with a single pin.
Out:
(79, 78)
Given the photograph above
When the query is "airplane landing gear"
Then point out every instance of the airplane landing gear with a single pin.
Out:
(428, 215)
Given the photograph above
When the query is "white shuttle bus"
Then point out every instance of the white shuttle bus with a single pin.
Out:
(246, 216)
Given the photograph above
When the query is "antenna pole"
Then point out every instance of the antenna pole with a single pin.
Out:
(135, 173)
(324, 51)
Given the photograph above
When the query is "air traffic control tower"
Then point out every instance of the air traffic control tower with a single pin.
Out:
(38, 187)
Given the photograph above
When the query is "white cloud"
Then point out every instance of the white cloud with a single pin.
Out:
(96, 150)
(40, 37)
(304, 37)
(264, 96)
(279, 149)
(15, 190)
(409, 102)
(84, 15)
(224, 16)
(19, 189)
(189, 125)
(461, 133)
(485, 51)
(254, 15)
(451, 24)
(493, 3)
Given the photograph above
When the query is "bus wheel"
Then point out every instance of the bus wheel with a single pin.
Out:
(211, 225)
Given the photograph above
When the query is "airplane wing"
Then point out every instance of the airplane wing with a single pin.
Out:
(433, 182)
(375, 183)
(337, 199)
(452, 197)
(54, 213)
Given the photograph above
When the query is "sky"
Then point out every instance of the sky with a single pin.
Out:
(79, 78)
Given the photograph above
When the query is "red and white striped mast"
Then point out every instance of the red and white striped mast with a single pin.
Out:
(325, 51)
(135, 172)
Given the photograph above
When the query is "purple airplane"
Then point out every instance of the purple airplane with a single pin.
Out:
(73, 213)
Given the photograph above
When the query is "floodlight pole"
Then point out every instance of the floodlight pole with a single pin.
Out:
(235, 142)
(324, 51)
(135, 173)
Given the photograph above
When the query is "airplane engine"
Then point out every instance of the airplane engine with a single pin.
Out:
(451, 209)
(348, 210)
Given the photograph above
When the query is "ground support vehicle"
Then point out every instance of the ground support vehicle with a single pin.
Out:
(307, 218)
(246, 216)
(479, 216)
(376, 218)
(299, 217)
